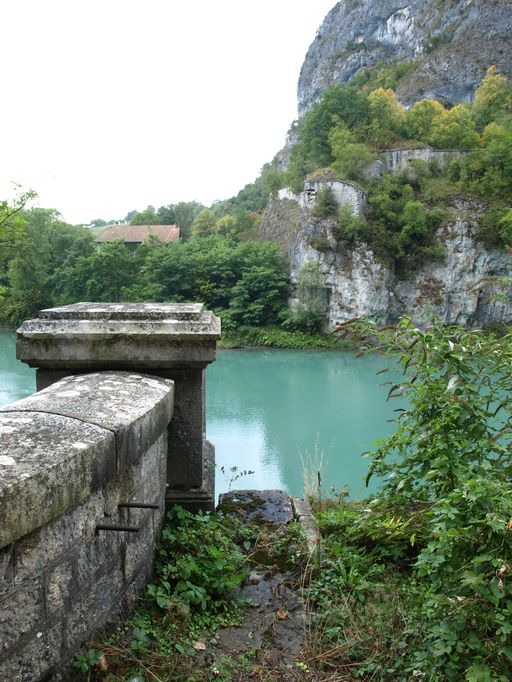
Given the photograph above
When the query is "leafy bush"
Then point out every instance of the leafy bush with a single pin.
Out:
(199, 563)
(325, 203)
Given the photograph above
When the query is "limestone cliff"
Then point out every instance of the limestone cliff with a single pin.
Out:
(464, 288)
(452, 41)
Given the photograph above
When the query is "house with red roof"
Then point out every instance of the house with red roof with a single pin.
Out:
(134, 235)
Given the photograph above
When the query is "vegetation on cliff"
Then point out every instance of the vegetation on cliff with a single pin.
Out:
(352, 125)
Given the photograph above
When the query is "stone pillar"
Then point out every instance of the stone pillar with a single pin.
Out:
(171, 340)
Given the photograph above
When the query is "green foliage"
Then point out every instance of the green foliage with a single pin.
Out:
(277, 337)
(199, 563)
(35, 260)
(489, 170)
(198, 567)
(386, 117)
(505, 227)
(454, 129)
(181, 214)
(325, 203)
(415, 583)
(204, 223)
(420, 118)
(259, 295)
(11, 220)
(459, 389)
(400, 227)
(85, 662)
(349, 228)
(493, 98)
(101, 276)
(351, 158)
(309, 313)
(383, 75)
(339, 105)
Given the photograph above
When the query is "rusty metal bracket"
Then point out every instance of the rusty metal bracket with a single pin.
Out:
(106, 526)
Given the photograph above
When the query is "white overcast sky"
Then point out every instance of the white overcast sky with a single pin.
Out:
(111, 105)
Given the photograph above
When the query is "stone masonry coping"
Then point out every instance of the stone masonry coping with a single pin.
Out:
(61, 444)
(120, 336)
(126, 311)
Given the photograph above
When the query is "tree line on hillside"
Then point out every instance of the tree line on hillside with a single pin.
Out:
(47, 262)
(219, 260)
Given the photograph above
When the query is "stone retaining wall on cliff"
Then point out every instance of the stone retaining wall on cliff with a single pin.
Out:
(70, 457)
(346, 194)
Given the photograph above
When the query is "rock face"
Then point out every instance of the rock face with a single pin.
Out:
(463, 289)
(437, 33)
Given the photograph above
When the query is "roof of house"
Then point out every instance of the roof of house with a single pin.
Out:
(136, 234)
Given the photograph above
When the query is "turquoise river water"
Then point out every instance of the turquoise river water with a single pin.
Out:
(274, 412)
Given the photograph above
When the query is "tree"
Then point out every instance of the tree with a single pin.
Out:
(492, 99)
(325, 203)
(166, 215)
(419, 119)
(339, 104)
(386, 117)
(185, 213)
(505, 228)
(11, 220)
(351, 158)
(272, 179)
(454, 129)
(260, 294)
(38, 256)
(204, 223)
(489, 170)
(146, 217)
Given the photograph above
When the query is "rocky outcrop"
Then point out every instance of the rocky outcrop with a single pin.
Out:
(464, 288)
(452, 41)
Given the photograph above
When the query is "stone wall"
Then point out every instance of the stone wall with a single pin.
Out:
(398, 159)
(71, 457)
(345, 193)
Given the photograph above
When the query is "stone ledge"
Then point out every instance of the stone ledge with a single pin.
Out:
(116, 335)
(136, 407)
(60, 445)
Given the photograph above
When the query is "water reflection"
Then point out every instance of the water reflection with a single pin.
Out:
(17, 380)
(283, 402)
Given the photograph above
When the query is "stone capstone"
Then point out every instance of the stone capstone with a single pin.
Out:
(119, 336)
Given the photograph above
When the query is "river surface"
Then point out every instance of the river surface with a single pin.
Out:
(276, 413)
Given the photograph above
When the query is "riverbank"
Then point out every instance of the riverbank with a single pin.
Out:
(276, 337)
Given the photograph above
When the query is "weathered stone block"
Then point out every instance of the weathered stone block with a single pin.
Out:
(20, 611)
(59, 586)
(38, 655)
(62, 581)
(135, 407)
(50, 464)
(6, 570)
